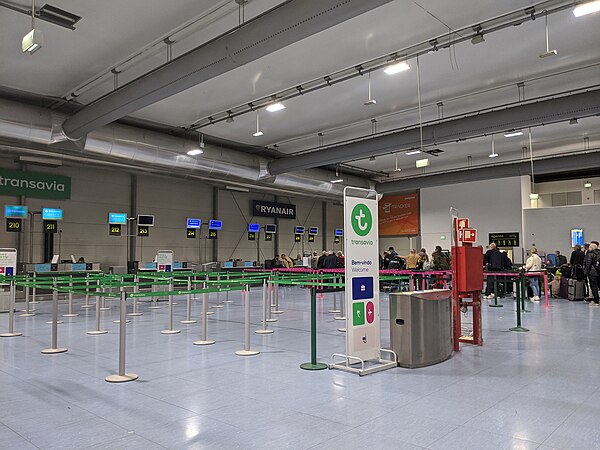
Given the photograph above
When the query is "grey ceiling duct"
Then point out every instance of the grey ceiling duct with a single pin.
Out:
(477, 124)
(283, 25)
(139, 148)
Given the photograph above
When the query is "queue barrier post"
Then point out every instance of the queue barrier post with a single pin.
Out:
(34, 290)
(342, 315)
(520, 286)
(188, 305)
(276, 294)
(204, 338)
(270, 317)
(54, 348)
(218, 305)
(496, 304)
(265, 308)
(28, 312)
(122, 377)
(97, 331)
(87, 305)
(227, 292)
(136, 307)
(170, 330)
(313, 364)
(11, 313)
(70, 312)
(246, 299)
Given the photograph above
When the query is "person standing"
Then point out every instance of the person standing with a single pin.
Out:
(577, 256)
(331, 261)
(590, 264)
(287, 261)
(411, 260)
(492, 261)
(534, 264)
(560, 259)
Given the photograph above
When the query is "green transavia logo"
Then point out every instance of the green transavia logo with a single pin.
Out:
(362, 221)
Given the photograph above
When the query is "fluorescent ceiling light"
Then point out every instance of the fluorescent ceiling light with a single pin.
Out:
(413, 152)
(274, 107)
(32, 41)
(257, 134)
(513, 134)
(195, 152)
(534, 196)
(337, 180)
(393, 69)
(549, 53)
(587, 8)
(237, 188)
(422, 163)
(587, 185)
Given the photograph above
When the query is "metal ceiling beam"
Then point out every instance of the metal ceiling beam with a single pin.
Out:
(279, 27)
(546, 166)
(469, 126)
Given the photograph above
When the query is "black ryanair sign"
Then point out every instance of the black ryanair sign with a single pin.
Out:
(270, 209)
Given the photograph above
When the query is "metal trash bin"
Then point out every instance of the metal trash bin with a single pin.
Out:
(421, 327)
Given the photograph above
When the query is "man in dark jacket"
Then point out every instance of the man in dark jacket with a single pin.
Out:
(577, 256)
(560, 259)
(591, 272)
(321, 260)
(492, 261)
(330, 261)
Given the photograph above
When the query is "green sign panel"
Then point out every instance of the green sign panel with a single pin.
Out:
(358, 313)
(35, 184)
(362, 220)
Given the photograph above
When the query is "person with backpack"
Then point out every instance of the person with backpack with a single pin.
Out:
(591, 268)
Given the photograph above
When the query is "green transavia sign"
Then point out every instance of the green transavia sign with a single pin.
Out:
(35, 184)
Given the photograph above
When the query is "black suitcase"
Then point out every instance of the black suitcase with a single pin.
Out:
(576, 290)
(563, 291)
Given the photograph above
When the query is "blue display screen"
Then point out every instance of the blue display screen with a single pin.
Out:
(117, 218)
(15, 211)
(215, 225)
(254, 227)
(299, 230)
(270, 228)
(194, 223)
(52, 214)
(313, 230)
(576, 237)
(339, 232)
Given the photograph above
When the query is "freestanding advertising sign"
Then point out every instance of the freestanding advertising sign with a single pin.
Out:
(164, 261)
(361, 248)
(8, 261)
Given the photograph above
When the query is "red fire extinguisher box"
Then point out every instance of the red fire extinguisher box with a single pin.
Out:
(470, 268)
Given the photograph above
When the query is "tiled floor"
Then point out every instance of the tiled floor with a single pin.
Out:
(531, 390)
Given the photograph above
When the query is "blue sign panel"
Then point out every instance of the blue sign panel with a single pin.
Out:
(215, 225)
(253, 227)
(194, 223)
(15, 212)
(299, 230)
(576, 237)
(52, 214)
(313, 230)
(362, 288)
(117, 218)
(339, 232)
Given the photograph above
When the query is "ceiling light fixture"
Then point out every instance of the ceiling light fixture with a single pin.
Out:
(548, 52)
(274, 107)
(493, 154)
(229, 117)
(513, 133)
(534, 196)
(422, 163)
(258, 133)
(396, 67)
(412, 152)
(478, 38)
(573, 121)
(587, 185)
(587, 8)
(397, 169)
(197, 151)
(338, 178)
(371, 100)
(372, 160)
(33, 40)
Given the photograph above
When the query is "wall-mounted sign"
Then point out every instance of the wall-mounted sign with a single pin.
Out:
(254, 227)
(143, 231)
(313, 230)
(251, 236)
(270, 209)
(299, 230)
(17, 212)
(297, 238)
(50, 226)
(339, 231)
(191, 233)
(35, 184)
(469, 235)
(117, 218)
(336, 240)
(212, 234)
(463, 222)
(311, 238)
(14, 225)
(504, 239)
(576, 236)
(114, 229)
(399, 215)
(145, 219)
(194, 223)
(270, 228)
(215, 225)
(52, 214)
(268, 236)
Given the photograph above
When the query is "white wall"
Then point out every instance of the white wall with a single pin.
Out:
(492, 206)
(550, 228)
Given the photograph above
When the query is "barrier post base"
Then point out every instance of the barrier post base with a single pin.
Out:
(51, 351)
(271, 320)
(94, 333)
(340, 318)
(11, 334)
(203, 342)
(170, 332)
(134, 314)
(311, 366)
(70, 315)
(264, 331)
(519, 329)
(495, 306)
(187, 322)
(27, 315)
(246, 352)
(118, 321)
(121, 378)
(58, 322)
(342, 330)
(87, 306)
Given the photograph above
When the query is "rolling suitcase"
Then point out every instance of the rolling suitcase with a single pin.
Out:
(576, 290)
(563, 290)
